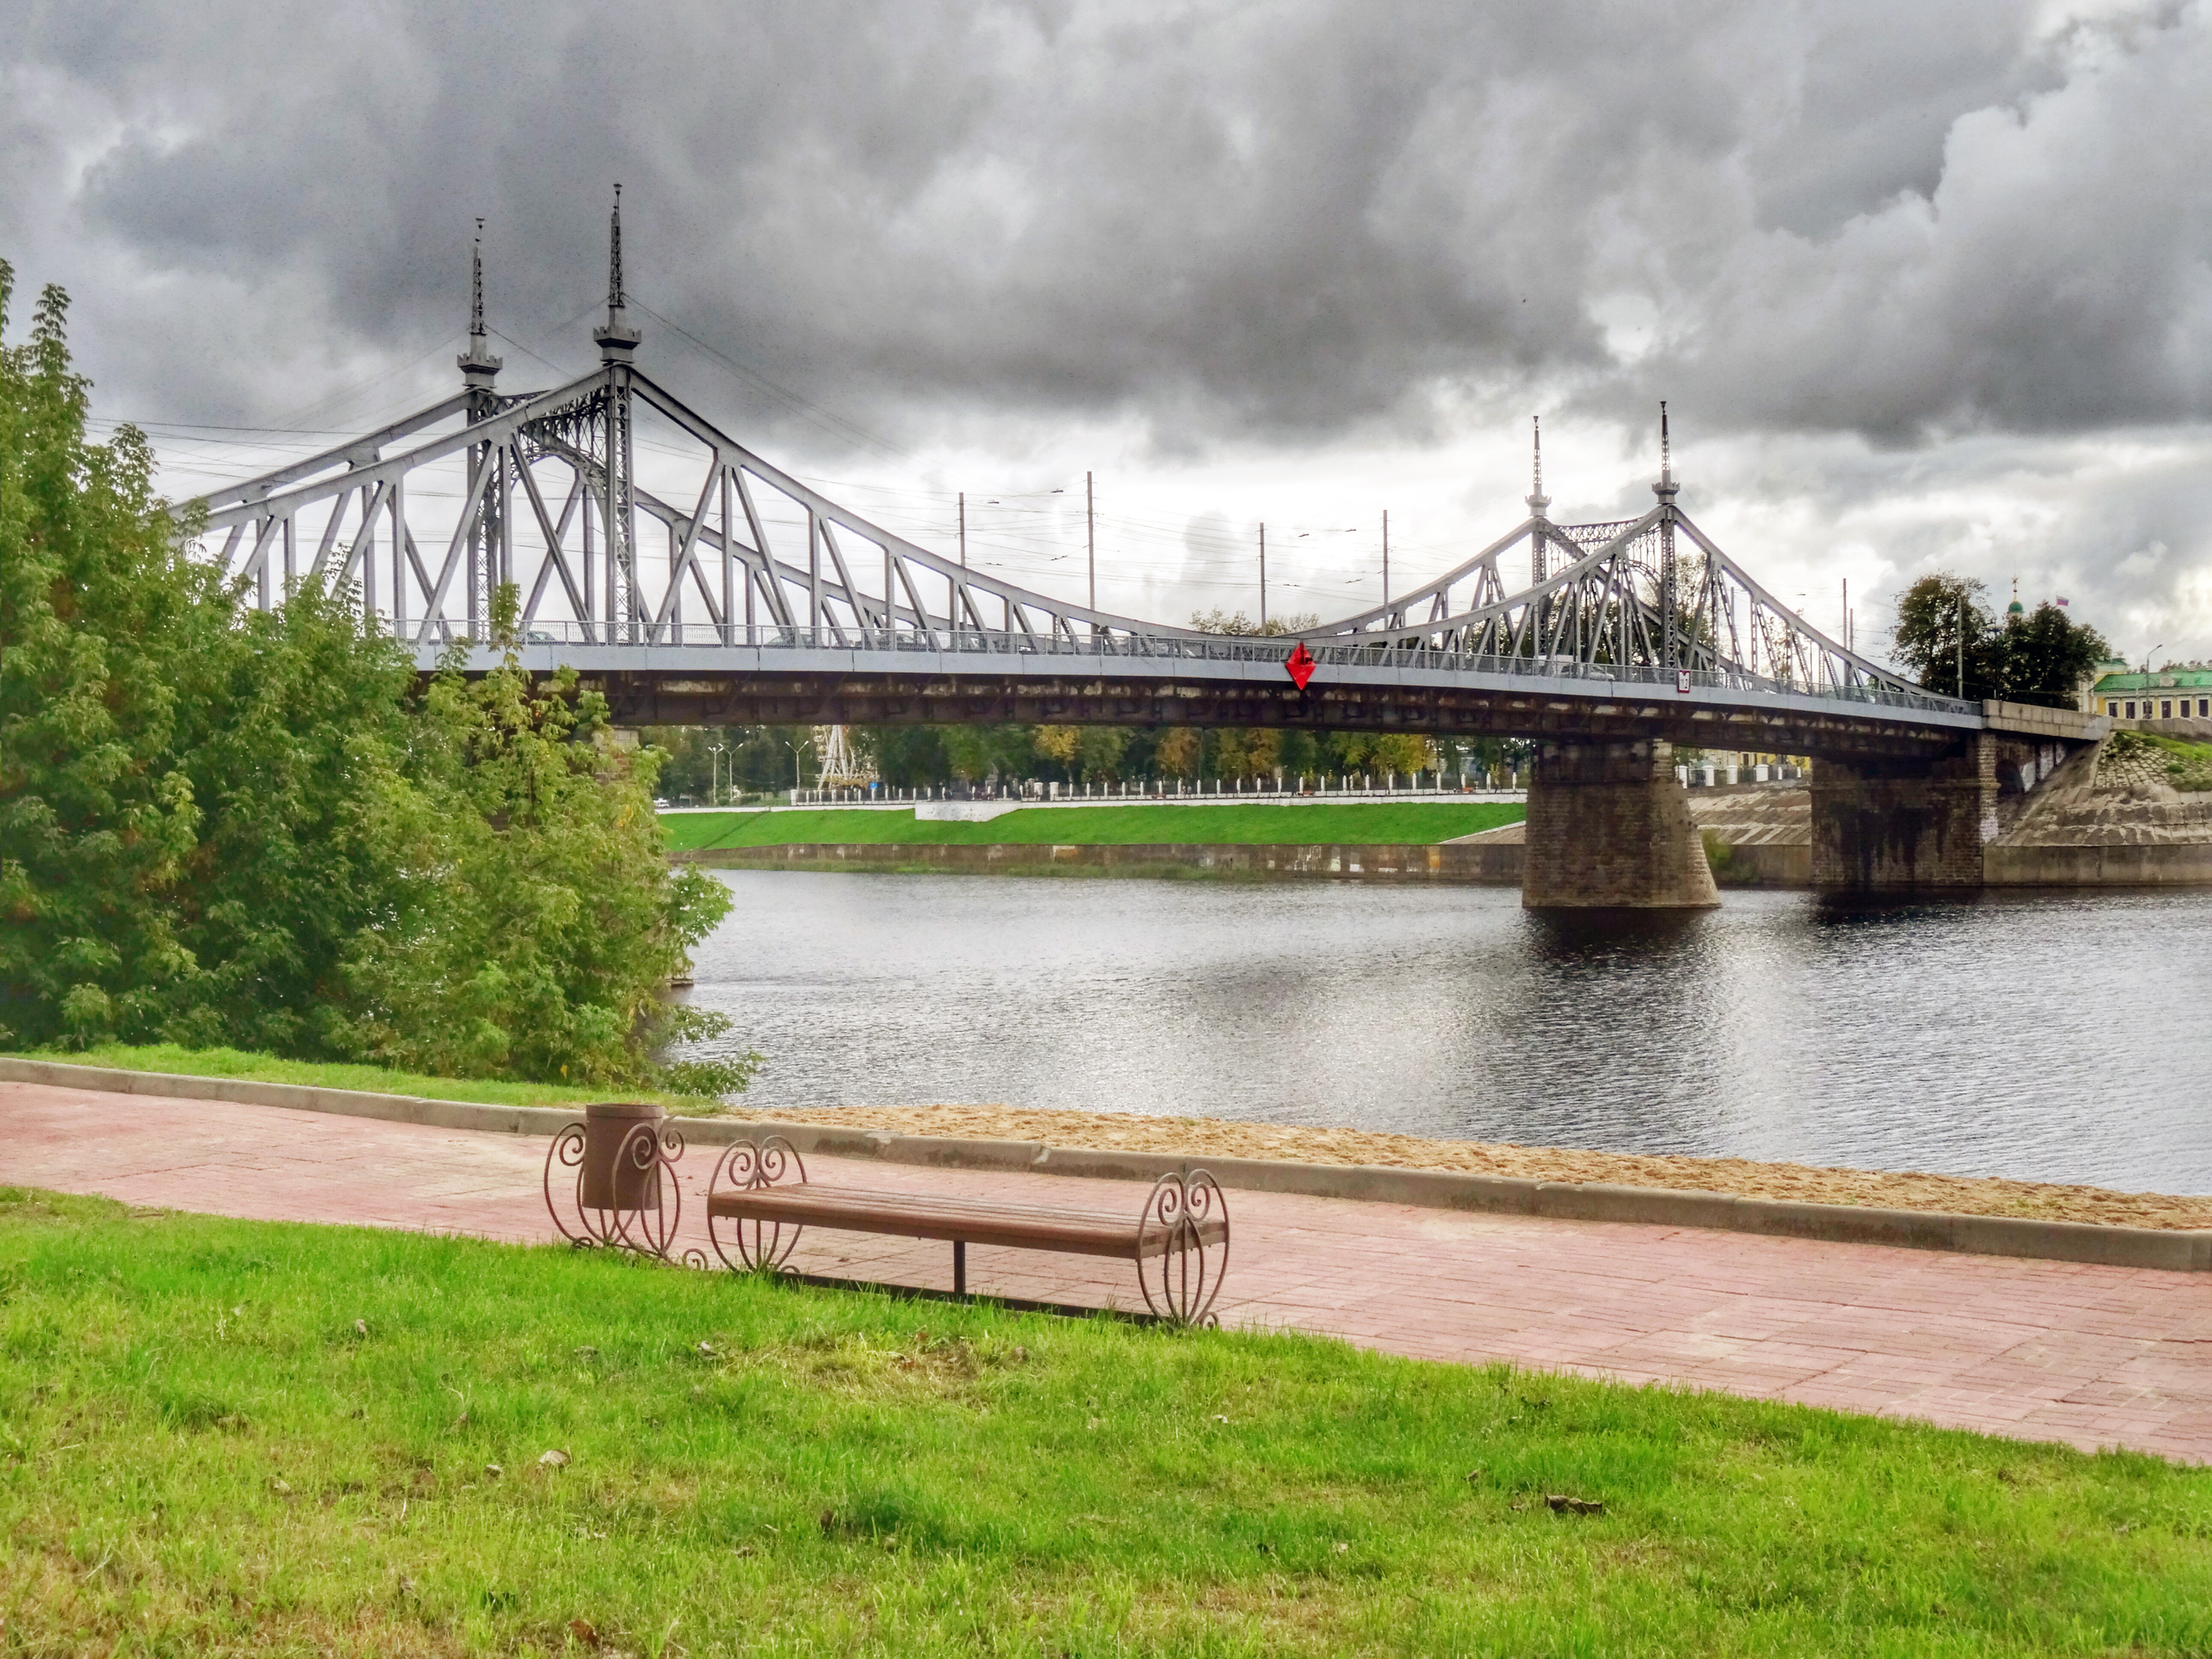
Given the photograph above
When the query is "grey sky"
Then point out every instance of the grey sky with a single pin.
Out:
(1934, 281)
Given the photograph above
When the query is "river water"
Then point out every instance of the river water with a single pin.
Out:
(2059, 1038)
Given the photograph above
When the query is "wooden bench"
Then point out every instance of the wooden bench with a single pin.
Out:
(1184, 1217)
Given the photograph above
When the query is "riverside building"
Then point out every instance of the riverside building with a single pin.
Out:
(2179, 691)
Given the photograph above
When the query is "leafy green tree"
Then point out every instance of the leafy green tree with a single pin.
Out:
(977, 752)
(1178, 752)
(1298, 752)
(219, 825)
(1952, 643)
(1058, 745)
(1082, 754)
(544, 920)
(906, 757)
(1100, 752)
(1377, 752)
(1218, 621)
(2048, 657)
(687, 766)
(97, 813)
(1948, 638)
(294, 732)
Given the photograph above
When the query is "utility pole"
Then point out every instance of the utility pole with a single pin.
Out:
(1962, 643)
(1263, 579)
(963, 530)
(1386, 555)
(1847, 613)
(1091, 539)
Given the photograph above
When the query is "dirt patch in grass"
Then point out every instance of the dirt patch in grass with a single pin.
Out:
(1801, 1183)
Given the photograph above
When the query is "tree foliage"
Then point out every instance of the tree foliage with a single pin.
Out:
(1949, 639)
(225, 826)
(93, 809)
(1945, 635)
(542, 918)
(2048, 656)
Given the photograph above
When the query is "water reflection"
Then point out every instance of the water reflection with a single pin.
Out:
(1608, 937)
(2056, 1037)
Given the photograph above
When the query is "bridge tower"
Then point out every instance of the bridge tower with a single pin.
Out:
(1539, 506)
(612, 455)
(490, 555)
(1609, 827)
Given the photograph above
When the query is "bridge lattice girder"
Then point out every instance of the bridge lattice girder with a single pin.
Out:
(771, 563)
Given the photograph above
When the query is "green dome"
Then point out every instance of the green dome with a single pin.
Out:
(2015, 609)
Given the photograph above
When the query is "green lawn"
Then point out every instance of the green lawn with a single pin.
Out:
(221, 1437)
(1381, 824)
(373, 1079)
(2188, 765)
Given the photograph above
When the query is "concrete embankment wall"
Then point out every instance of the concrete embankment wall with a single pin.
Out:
(2171, 864)
(1493, 864)
(1496, 864)
(1450, 861)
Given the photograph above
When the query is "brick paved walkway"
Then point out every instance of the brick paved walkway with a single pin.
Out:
(2056, 1351)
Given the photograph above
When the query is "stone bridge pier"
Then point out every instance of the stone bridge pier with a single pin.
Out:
(1608, 828)
(1904, 826)
(1924, 826)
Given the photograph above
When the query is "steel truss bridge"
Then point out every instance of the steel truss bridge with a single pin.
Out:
(708, 585)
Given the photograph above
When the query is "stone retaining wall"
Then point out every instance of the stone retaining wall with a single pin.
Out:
(1449, 861)
(1496, 864)
(2168, 863)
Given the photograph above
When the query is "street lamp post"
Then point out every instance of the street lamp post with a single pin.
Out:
(796, 749)
(714, 787)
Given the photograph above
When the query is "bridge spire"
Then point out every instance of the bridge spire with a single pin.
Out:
(1665, 489)
(616, 338)
(1539, 503)
(479, 369)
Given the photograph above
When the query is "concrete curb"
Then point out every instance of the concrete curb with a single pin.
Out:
(1438, 1189)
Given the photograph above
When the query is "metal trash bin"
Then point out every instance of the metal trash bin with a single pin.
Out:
(621, 1170)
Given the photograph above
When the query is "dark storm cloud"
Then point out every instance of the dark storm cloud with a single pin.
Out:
(1886, 218)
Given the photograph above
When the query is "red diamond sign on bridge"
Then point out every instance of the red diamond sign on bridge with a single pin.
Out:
(1300, 666)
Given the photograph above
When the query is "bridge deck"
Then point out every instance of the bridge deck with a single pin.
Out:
(694, 684)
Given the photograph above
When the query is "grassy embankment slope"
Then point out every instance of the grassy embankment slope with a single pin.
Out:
(221, 1437)
(1381, 824)
(371, 1079)
(2188, 765)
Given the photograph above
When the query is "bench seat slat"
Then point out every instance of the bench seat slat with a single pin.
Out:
(968, 1221)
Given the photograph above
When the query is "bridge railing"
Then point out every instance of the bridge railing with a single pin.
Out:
(1267, 649)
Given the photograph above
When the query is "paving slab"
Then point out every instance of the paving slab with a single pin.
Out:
(2091, 1356)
